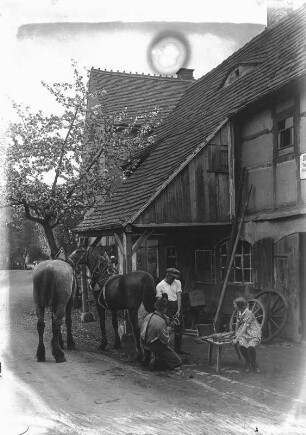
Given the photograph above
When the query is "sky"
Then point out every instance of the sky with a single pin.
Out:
(40, 37)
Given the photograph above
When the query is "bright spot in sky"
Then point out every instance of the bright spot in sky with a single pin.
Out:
(168, 55)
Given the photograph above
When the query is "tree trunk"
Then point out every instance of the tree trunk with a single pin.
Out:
(51, 240)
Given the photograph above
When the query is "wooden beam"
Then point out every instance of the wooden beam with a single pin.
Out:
(182, 224)
(86, 315)
(96, 241)
(97, 233)
(119, 243)
(231, 168)
(144, 236)
(127, 246)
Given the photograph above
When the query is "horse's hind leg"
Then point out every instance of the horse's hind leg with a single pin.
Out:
(70, 341)
(60, 339)
(41, 353)
(117, 343)
(136, 331)
(57, 318)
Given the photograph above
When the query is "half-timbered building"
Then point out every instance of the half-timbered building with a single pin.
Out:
(178, 208)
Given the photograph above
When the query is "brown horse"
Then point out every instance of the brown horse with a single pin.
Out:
(116, 292)
(54, 286)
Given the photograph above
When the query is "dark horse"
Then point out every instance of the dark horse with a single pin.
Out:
(116, 292)
(54, 286)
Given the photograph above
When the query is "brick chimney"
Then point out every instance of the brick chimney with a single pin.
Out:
(277, 10)
(185, 74)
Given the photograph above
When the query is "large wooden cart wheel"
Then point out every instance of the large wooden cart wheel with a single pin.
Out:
(276, 308)
(257, 307)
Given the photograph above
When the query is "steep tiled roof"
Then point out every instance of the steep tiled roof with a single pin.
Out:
(139, 93)
(206, 104)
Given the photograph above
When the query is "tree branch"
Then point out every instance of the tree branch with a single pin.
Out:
(57, 173)
(28, 215)
(86, 170)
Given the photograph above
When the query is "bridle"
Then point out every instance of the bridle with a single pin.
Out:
(75, 264)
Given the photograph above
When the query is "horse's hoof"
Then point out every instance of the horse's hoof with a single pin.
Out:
(41, 359)
(60, 360)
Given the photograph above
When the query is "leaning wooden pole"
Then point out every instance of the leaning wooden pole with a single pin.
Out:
(221, 299)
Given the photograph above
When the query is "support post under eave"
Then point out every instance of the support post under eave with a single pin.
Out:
(127, 268)
(127, 247)
(86, 315)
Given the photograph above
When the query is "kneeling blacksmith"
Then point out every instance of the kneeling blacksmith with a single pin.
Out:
(155, 336)
(172, 286)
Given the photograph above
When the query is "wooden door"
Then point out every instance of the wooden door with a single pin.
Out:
(287, 281)
(263, 264)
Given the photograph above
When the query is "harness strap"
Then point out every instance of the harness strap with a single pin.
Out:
(104, 298)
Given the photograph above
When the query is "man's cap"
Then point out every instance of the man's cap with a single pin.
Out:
(161, 303)
(173, 272)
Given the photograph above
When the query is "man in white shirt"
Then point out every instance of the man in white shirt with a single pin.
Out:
(172, 286)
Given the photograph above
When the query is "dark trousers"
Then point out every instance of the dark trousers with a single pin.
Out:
(178, 329)
(164, 354)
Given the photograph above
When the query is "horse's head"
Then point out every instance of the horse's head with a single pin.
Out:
(78, 256)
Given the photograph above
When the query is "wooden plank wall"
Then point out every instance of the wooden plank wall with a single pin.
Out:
(196, 195)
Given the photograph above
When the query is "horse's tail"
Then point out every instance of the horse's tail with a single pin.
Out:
(149, 292)
(44, 288)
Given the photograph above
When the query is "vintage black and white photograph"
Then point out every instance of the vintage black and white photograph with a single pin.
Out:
(153, 217)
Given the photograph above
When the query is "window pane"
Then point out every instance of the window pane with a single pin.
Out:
(239, 248)
(247, 276)
(171, 256)
(289, 122)
(223, 261)
(246, 261)
(285, 138)
(237, 262)
(238, 275)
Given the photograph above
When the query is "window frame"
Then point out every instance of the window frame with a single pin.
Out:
(170, 256)
(241, 256)
(284, 115)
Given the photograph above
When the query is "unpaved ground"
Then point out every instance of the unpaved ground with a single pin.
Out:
(108, 393)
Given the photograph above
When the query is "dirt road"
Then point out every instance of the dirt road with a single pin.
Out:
(92, 393)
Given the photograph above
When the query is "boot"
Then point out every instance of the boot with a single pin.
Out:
(178, 345)
(245, 353)
(254, 365)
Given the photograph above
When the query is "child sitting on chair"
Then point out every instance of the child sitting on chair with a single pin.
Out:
(247, 334)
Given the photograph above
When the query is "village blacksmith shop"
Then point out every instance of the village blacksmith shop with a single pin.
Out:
(221, 194)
